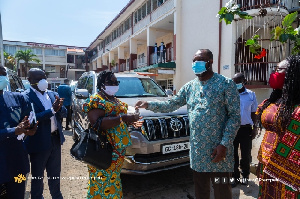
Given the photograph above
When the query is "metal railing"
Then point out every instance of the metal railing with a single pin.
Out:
(255, 4)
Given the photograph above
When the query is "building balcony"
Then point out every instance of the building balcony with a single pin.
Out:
(94, 56)
(256, 4)
(158, 58)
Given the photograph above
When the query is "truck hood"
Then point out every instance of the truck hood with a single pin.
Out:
(147, 113)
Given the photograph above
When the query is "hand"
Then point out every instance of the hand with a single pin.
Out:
(21, 128)
(141, 104)
(31, 131)
(129, 119)
(219, 153)
(57, 103)
(139, 123)
(254, 133)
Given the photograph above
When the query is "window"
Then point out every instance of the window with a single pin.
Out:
(50, 69)
(148, 7)
(136, 17)
(82, 82)
(159, 2)
(10, 49)
(52, 52)
(24, 48)
(37, 51)
(154, 4)
(144, 11)
(89, 85)
(139, 15)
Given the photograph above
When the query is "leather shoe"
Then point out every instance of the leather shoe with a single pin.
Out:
(234, 184)
(244, 181)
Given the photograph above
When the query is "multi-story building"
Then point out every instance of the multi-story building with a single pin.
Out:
(58, 61)
(128, 41)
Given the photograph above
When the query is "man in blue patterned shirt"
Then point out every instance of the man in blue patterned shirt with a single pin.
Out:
(214, 113)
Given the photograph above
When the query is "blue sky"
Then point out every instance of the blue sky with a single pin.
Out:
(63, 22)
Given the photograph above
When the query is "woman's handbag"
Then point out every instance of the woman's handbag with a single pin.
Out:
(92, 148)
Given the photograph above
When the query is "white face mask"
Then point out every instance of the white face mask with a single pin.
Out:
(42, 85)
(111, 90)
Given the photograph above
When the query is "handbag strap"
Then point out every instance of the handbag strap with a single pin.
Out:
(97, 126)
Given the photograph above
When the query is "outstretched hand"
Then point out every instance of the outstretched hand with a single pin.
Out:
(141, 104)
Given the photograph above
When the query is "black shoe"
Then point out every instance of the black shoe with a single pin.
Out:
(234, 184)
(244, 181)
(67, 128)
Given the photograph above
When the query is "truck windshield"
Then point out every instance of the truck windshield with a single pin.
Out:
(138, 87)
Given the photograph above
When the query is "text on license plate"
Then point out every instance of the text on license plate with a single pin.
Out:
(175, 147)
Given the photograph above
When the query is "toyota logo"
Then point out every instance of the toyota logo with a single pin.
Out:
(175, 124)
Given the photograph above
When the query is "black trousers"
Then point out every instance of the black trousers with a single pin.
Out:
(202, 184)
(69, 114)
(244, 140)
(13, 190)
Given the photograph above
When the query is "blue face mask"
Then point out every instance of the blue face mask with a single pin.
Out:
(199, 67)
(3, 82)
(239, 86)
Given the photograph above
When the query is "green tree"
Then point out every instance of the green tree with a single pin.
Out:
(27, 56)
(9, 61)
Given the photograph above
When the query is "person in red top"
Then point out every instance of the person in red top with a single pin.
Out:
(279, 152)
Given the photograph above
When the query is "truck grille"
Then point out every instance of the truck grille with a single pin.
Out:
(166, 127)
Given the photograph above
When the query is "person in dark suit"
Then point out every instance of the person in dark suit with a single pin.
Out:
(44, 147)
(14, 164)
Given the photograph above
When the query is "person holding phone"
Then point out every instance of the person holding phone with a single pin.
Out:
(44, 147)
(13, 122)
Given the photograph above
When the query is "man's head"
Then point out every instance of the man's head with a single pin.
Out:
(37, 79)
(67, 81)
(204, 58)
(240, 80)
(3, 78)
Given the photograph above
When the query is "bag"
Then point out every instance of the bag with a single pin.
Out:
(92, 148)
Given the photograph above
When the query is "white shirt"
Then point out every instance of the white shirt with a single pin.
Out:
(46, 101)
(248, 105)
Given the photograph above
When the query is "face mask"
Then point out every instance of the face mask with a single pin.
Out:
(3, 82)
(42, 85)
(239, 86)
(199, 67)
(276, 80)
(111, 90)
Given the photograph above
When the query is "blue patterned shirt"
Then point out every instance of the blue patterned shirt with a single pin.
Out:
(214, 114)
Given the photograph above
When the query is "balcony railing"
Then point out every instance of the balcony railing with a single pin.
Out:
(94, 56)
(257, 69)
(156, 58)
(255, 4)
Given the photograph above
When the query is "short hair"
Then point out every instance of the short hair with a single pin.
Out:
(208, 52)
(66, 80)
(34, 70)
(102, 77)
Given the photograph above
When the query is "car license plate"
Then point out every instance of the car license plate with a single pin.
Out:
(175, 147)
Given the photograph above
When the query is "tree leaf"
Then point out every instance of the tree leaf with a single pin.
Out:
(229, 17)
(222, 11)
(249, 42)
(289, 19)
(283, 38)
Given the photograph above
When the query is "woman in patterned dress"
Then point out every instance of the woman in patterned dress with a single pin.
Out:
(107, 183)
(279, 153)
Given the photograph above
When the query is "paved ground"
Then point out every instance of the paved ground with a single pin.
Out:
(172, 184)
